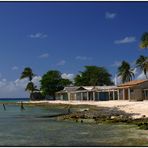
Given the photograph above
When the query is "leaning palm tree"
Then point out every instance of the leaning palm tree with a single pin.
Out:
(142, 63)
(125, 72)
(27, 73)
(144, 40)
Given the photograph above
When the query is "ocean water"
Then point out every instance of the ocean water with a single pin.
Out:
(29, 128)
(3, 100)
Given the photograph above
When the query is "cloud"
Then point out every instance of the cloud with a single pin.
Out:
(68, 76)
(16, 88)
(62, 62)
(141, 76)
(117, 80)
(110, 15)
(82, 58)
(38, 35)
(125, 40)
(116, 64)
(135, 71)
(43, 56)
(14, 68)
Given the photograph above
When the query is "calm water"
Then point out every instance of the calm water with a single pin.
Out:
(29, 128)
(3, 100)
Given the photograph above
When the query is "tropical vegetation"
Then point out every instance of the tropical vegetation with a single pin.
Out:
(142, 64)
(125, 72)
(52, 82)
(28, 73)
(92, 76)
(144, 40)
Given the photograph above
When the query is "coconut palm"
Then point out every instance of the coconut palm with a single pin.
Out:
(144, 40)
(125, 72)
(31, 87)
(142, 63)
(27, 73)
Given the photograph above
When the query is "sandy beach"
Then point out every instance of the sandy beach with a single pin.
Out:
(138, 109)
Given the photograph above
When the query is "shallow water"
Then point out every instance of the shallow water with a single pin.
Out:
(28, 128)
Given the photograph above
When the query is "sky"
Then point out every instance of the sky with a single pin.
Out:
(66, 36)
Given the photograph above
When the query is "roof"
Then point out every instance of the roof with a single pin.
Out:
(85, 88)
(132, 83)
(71, 88)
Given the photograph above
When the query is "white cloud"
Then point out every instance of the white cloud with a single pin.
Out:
(45, 55)
(82, 58)
(14, 68)
(67, 76)
(36, 81)
(117, 80)
(135, 71)
(38, 35)
(62, 62)
(141, 76)
(16, 88)
(116, 64)
(110, 15)
(125, 40)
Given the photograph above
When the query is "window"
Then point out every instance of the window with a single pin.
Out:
(131, 90)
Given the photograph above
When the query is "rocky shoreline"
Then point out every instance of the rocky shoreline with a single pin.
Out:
(104, 115)
(94, 114)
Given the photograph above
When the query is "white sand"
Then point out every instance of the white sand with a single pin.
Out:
(138, 108)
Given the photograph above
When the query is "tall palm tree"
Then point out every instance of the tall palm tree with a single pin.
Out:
(27, 73)
(142, 63)
(125, 72)
(144, 40)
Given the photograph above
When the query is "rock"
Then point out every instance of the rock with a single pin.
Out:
(84, 109)
(113, 117)
(143, 116)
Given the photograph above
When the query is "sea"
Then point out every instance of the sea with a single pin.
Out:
(13, 99)
(32, 127)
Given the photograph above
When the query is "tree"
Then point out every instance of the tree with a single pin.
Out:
(27, 73)
(52, 82)
(142, 63)
(31, 87)
(93, 76)
(125, 72)
(65, 82)
(144, 40)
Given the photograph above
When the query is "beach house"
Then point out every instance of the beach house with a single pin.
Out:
(133, 90)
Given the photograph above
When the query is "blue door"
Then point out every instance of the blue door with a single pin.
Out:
(103, 96)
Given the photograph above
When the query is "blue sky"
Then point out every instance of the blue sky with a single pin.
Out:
(67, 36)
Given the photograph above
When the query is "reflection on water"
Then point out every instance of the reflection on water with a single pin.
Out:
(27, 128)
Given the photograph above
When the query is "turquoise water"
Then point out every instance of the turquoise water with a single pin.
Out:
(28, 128)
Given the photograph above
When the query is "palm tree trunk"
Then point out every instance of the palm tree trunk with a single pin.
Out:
(146, 76)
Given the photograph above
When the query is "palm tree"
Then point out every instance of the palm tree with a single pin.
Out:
(31, 87)
(27, 73)
(125, 72)
(142, 63)
(144, 40)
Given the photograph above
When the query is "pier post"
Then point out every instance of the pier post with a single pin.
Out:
(4, 107)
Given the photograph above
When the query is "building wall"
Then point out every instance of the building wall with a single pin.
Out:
(138, 95)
